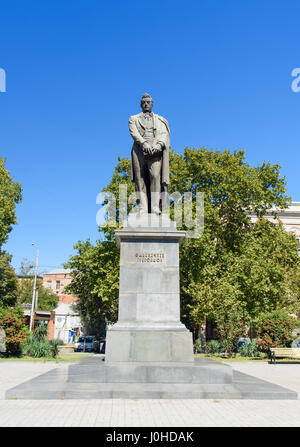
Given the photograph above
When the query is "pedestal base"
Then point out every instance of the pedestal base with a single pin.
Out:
(204, 372)
(92, 378)
(123, 345)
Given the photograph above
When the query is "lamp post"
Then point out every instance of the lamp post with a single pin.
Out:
(34, 288)
(36, 296)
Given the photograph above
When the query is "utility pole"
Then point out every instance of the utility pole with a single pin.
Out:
(34, 289)
(36, 296)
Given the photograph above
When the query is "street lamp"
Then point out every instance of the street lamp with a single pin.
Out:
(34, 287)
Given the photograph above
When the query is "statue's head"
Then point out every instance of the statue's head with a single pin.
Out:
(146, 103)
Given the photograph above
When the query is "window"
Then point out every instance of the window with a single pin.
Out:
(57, 285)
(49, 284)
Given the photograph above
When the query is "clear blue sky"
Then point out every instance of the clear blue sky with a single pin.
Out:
(219, 71)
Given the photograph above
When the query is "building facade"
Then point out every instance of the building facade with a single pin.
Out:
(290, 218)
(67, 322)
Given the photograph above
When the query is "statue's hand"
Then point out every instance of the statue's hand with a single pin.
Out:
(157, 149)
(146, 148)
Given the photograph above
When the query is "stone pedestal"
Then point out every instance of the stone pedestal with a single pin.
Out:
(149, 327)
(149, 344)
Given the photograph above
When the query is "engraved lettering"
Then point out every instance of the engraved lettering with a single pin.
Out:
(150, 257)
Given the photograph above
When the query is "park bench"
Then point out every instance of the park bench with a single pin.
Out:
(276, 353)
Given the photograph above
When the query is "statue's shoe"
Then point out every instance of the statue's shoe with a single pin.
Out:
(156, 211)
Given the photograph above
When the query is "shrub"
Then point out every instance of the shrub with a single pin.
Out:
(198, 346)
(54, 346)
(213, 347)
(249, 349)
(230, 346)
(12, 320)
(36, 348)
(275, 329)
(37, 345)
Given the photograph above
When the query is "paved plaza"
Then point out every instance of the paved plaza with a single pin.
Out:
(150, 412)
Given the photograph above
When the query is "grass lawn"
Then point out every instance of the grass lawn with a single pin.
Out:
(75, 357)
(237, 358)
(67, 357)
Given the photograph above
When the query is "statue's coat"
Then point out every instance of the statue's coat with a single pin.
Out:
(161, 135)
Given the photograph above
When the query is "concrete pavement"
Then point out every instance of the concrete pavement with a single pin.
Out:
(286, 374)
(150, 412)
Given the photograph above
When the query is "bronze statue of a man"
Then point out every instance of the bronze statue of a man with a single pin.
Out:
(149, 157)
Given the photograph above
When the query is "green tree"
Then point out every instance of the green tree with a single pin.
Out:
(47, 300)
(260, 276)
(8, 281)
(10, 195)
(235, 270)
(26, 268)
(239, 268)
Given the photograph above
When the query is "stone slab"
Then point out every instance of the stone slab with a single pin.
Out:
(197, 372)
(74, 384)
(145, 221)
(149, 346)
(149, 290)
(149, 226)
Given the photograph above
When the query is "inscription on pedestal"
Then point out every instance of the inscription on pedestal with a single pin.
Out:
(150, 257)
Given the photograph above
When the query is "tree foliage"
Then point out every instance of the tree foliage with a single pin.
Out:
(10, 195)
(236, 270)
(26, 268)
(275, 329)
(47, 300)
(12, 320)
(8, 281)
